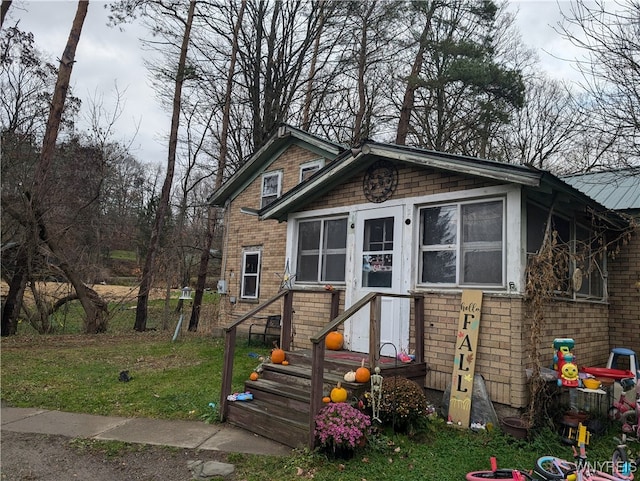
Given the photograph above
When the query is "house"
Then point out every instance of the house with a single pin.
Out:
(308, 213)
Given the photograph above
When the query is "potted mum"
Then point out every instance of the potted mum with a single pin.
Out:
(341, 428)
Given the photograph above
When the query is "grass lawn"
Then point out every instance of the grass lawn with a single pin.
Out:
(178, 380)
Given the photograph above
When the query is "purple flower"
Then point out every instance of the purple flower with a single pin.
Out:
(341, 425)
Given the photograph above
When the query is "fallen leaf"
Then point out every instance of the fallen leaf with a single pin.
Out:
(341, 467)
(300, 471)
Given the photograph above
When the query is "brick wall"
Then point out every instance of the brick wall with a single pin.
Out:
(624, 296)
(242, 230)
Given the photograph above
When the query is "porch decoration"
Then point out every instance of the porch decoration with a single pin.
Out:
(334, 341)
(465, 358)
(362, 374)
(376, 394)
(350, 376)
(341, 429)
(338, 394)
(380, 181)
(277, 355)
(254, 376)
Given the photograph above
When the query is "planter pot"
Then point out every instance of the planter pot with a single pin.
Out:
(516, 427)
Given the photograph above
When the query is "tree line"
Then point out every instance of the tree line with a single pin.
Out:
(452, 76)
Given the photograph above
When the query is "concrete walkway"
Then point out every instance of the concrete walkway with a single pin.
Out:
(182, 434)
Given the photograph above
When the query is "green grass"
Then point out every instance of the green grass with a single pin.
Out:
(178, 380)
(123, 255)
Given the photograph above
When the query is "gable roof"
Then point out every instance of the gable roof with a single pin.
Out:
(355, 160)
(615, 189)
(262, 158)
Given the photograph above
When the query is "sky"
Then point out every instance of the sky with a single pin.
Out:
(107, 56)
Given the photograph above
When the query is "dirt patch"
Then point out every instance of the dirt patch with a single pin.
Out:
(28, 456)
(109, 292)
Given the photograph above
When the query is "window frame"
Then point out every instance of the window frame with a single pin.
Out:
(245, 253)
(457, 246)
(316, 165)
(273, 197)
(589, 283)
(322, 251)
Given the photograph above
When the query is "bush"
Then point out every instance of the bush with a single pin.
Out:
(403, 404)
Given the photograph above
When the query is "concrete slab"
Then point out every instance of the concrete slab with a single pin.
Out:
(73, 425)
(184, 434)
(235, 440)
(10, 415)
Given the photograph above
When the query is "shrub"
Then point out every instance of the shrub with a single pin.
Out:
(404, 404)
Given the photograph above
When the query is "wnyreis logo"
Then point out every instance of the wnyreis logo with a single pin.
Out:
(620, 468)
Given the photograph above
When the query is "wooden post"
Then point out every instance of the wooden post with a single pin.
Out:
(227, 370)
(317, 382)
(375, 314)
(287, 315)
(335, 304)
(418, 316)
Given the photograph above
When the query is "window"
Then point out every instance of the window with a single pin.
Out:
(578, 245)
(271, 187)
(310, 168)
(322, 249)
(250, 274)
(377, 253)
(462, 244)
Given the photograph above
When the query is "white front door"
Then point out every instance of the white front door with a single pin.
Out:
(378, 267)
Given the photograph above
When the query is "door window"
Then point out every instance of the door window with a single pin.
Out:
(377, 253)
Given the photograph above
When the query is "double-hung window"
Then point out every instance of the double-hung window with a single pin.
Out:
(250, 273)
(463, 244)
(271, 187)
(322, 249)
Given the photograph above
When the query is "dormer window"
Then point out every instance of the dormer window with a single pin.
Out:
(271, 187)
(309, 168)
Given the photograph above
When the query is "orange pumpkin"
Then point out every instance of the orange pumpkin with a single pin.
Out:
(334, 341)
(338, 394)
(285, 363)
(277, 355)
(326, 399)
(362, 373)
(253, 376)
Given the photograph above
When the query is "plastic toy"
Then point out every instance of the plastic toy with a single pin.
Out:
(564, 363)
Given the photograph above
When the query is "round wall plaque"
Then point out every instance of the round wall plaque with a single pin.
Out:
(380, 181)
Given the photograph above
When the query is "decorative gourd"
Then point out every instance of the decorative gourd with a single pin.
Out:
(362, 373)
(253, 376)
(277, 355)
(326, 399)
(285, 363)
(338, 394)
(334, 341)
(350, 376)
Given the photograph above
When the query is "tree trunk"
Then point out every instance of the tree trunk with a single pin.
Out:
(3, 10)
(94, 307)
(222, 162)
(163, 205)
(13, 301)
(412, 81)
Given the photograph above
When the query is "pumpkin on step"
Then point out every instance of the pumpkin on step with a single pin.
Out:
(334, 341)
(338, 394)
(277, 355)
(350, 376)
(253, 376)
(362, 373)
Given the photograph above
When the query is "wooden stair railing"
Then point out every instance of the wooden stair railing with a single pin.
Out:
(285, 337)
(374, 299)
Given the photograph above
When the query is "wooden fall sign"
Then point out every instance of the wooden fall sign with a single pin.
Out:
(464, 362)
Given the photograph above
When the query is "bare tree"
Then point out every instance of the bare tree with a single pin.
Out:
(163, 206)
(608, 34)
(94, 307)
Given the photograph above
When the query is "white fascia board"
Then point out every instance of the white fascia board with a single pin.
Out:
(464, 166)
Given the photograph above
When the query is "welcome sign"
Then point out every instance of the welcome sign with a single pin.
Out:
(464, 362)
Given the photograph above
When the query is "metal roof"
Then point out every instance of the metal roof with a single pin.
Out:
(615, 189)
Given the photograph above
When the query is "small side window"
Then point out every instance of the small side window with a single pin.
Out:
(250, 274)
(271, 187)
(309, 168)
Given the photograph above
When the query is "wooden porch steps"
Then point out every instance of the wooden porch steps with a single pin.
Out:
(280, 406)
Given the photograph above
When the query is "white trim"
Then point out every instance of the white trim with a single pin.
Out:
(318, 163)
(246, 252)
(266, 175)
